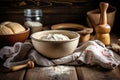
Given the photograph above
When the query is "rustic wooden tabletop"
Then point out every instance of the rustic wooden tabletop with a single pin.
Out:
(62, 72)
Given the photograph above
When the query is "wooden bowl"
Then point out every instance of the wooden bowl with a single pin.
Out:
(82, 30)
(11, 39)
(67, 26)
(93, 16)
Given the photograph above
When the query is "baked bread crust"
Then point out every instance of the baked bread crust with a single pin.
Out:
(11, 28)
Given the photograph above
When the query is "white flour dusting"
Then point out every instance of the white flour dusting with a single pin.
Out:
(55, 37)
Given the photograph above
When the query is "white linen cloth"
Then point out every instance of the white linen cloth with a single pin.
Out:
(90, 53)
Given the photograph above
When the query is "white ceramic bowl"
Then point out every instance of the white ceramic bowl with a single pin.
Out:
(55, 49)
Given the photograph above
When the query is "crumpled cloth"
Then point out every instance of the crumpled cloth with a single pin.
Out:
(90, 53)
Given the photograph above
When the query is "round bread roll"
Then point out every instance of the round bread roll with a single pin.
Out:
(15, 27)
(6, 22)
(5, 30)
(11, 28)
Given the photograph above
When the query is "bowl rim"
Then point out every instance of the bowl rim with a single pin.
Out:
(26, 30)
(63, 26)
(78, 36)
(97, 11)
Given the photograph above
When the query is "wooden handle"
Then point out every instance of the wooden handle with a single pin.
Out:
(29, 64)
(103, 16)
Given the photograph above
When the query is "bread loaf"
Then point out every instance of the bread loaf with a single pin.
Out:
(6, 22)
(5, 30)
(10, 28)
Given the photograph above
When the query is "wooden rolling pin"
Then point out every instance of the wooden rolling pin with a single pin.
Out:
(29, 64)
(103, 29)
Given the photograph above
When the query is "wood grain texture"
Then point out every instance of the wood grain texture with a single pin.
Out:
(97, 73)
(85, 73)
(17, 75)
(51, 73)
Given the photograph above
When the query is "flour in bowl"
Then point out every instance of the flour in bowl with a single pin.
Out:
(55, 37)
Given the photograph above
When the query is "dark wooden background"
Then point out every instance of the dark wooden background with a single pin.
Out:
(10, 10)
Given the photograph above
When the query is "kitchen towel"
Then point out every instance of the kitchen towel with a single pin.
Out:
(90, 53)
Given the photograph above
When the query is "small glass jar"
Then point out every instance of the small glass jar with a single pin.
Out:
(33, 19)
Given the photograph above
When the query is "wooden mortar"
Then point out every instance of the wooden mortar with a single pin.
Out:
(103, 29)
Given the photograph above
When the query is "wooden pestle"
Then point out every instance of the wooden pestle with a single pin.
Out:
(29, 64)
(103, 29)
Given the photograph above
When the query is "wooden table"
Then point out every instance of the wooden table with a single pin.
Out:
(62, 72)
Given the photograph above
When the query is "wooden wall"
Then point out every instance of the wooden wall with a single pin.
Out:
(56, 13)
